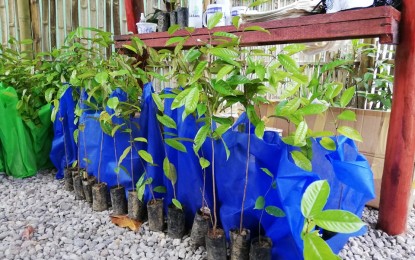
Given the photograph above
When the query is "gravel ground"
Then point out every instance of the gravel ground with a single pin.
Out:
(64, 228)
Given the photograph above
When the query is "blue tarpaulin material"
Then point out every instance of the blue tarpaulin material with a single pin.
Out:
(94, 144)
(189, 187)
(347, 172)
(64, 149)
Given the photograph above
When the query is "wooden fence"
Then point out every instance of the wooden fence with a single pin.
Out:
(48, 22)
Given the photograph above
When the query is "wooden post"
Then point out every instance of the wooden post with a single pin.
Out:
(35, 19)
(400, 148)
(116, 17)
(129, 13)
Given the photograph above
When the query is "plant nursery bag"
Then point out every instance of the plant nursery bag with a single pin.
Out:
(333, 6)
(347, 171)
(190, 176)
(149, 129)
(64, 148)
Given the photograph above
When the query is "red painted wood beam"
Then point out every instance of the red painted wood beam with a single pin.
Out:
(400, 149)
(129, 12)
(364, 23)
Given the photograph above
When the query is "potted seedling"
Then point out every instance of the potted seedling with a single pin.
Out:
(261, 246)
(175, 212)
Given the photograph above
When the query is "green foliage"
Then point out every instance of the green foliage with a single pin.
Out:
(312, 207)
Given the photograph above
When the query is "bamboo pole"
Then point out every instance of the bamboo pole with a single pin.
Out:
(75, 17)
(52, 13)
(400, 148)
(23, 16)
(35, 21)
(108, 21)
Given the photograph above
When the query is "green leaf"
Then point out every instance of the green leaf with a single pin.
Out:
(192, 55)
(312, 109)
(294, 48)
(315, 198)
(115, 129)
(260, 203)
(175, 144)
(300, 133)
(131, 48)
(301, 161)
(113, 103)
(228, 153)
(260, 71)
(169, 170)
(124, 154)
(236, 21)
(315, 248)
(140, 187)
(223, 53)
(328, 143)
(177, 204)
(225, 34)
(160, 189)
(174, 40)
(158, 102)
(172, 29)
(145, 156)
(198, 72)
(219, 131)
(333, 89)
(167, 121)
(192, 100)
(350, 132)
(201, 109)
(333, 65)
(288, 108)
(214, 20)
(252, 115)
(140, 139)
(268, 172)
(204, 163)
(259, 129)
(256, 28)
(347, 96)
(338, 221)
(225, 70)
(347, 115)
(275, 211)
(201, 137)
(288, 63)
(180, 99)
(101, 77)
(49, 94)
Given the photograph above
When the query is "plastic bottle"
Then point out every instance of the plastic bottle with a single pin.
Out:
(195, 13)
(142, 18)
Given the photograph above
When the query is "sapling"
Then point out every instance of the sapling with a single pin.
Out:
(261, 202)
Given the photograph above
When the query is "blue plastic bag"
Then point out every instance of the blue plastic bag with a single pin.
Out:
(271, 153)
(103, 151)
(192, 181)
(64, 149)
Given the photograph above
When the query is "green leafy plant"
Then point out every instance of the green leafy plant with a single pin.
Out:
(260, 203)
(312, 207)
